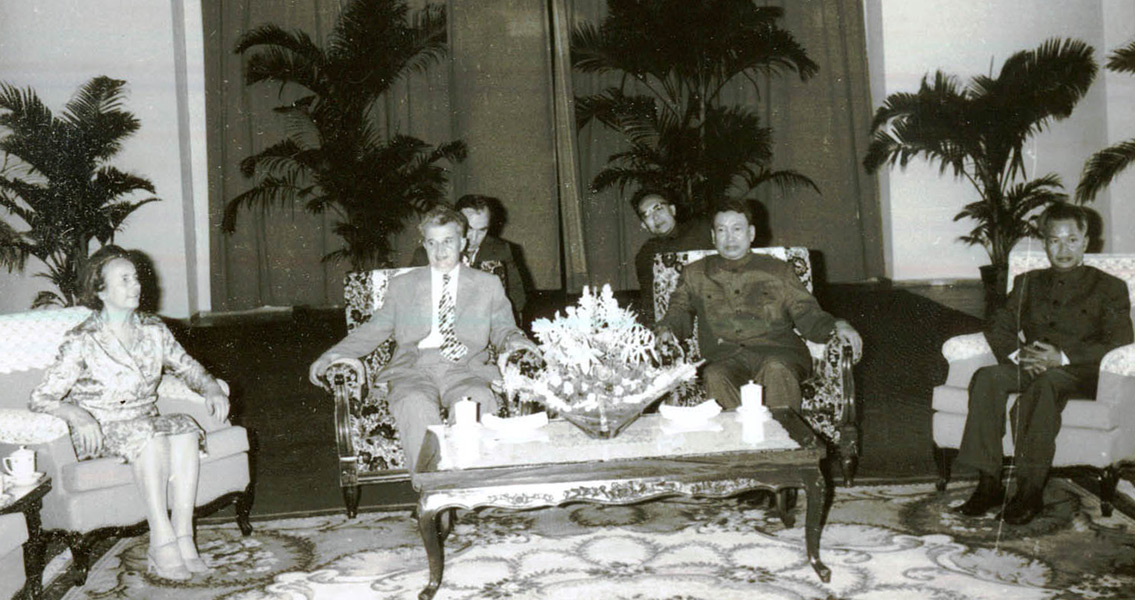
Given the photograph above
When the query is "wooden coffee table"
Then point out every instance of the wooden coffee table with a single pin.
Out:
(646, 461)
(28, 499)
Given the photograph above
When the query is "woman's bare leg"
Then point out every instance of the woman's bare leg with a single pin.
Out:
(151, 474)
(185, 465)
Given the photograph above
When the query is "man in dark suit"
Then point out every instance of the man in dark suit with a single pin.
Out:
(659, 217)
(1048, 339)
(483, 248)
(749, 308)
(443, 320)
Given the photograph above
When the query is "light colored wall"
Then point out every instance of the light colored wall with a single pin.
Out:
(910, 38)
(1119, 89)
(54, 46)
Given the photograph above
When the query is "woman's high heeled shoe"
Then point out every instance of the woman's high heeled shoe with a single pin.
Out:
(192, 560)
(165, 561)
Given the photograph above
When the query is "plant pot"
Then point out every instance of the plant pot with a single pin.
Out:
(995, 280)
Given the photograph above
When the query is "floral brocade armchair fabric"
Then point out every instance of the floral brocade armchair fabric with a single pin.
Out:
(829, 403)
(370, 450)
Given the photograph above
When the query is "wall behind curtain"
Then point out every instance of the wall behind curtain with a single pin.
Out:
(274, 258)
(819, 129)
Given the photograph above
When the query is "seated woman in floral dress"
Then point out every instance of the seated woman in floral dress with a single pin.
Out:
(104, 384)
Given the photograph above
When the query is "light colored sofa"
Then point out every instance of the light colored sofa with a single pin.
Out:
(13, 534)
(1096, 436)
(98, 498)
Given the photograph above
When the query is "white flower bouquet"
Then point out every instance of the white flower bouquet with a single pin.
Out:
(601, 367)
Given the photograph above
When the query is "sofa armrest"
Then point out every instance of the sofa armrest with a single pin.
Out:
(1120, 361)
(965, 355)
(961, 347)
(23, 427)
(175, 397)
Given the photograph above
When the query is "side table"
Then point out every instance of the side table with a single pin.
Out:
(28, 499)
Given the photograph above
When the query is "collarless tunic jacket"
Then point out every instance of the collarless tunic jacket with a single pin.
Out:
(756, 303)
(1084, 312)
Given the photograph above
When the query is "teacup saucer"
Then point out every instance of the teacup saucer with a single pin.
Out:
(25, 482)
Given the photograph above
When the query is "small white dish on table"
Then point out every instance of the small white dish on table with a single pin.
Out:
(686, 414)
(681, 419)
(525, 428)
(11, 481)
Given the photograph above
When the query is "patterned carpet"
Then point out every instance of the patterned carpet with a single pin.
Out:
(897, 541)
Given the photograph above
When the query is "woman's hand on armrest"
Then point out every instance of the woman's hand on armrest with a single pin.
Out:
(85, 431)
(218, 402)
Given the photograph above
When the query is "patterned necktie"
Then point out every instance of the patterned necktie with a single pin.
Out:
(451, 348)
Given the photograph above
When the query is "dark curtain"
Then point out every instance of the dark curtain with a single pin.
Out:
(819, 129)
(274, 258)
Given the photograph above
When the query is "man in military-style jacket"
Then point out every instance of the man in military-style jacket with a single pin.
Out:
(1048, 339)
(749, 308)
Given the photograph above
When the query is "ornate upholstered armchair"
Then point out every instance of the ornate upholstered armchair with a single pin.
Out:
(1096, 436)
(370, 450)
(93, 499)
(829, 403)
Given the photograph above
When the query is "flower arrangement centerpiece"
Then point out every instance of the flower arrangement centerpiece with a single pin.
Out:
(601, 368)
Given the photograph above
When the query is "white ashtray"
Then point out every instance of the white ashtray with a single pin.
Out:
(515, 424)
(685, 414)
(12, 481)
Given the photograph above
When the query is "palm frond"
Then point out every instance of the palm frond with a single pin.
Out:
(282, 151)
(14, 249)
(295, 42)
(270, 191)
(46, 298)
(615, 110)
(1123, 59)
(1103, 167)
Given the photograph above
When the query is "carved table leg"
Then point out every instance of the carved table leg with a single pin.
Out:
(428, 521)
(816, 490)
(33, 552)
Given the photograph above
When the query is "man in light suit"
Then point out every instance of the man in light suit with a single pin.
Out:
(443, 320)
(1049, 340)
(482, 247)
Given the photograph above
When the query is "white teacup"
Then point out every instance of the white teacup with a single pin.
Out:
(20, 465)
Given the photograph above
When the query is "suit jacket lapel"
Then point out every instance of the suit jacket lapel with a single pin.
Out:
(423, 288)
(465, 294)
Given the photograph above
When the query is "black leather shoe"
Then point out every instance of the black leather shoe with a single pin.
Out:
(989, 494)
(1024, 507)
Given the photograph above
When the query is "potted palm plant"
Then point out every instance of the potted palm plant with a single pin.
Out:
(333, 158)
(60, 183)
(673, 59)
(1105, 165)
(978, 132)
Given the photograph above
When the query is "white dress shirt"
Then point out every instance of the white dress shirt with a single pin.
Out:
(434, 339)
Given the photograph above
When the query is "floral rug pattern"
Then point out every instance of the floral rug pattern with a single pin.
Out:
(897, 541)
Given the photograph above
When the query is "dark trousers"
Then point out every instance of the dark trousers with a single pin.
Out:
(778, 374)
(1035, 416)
